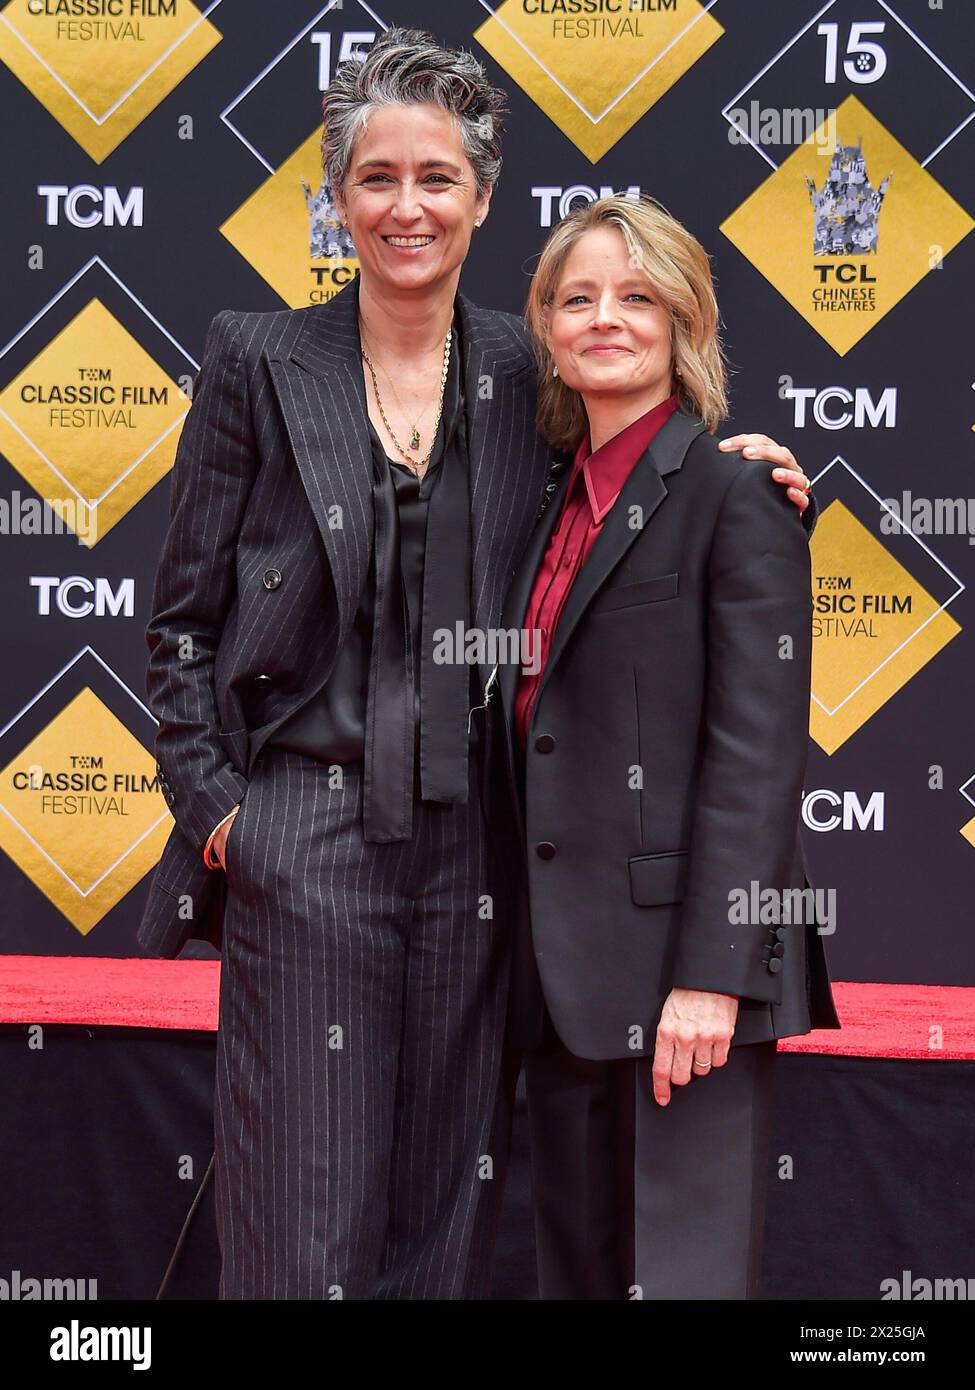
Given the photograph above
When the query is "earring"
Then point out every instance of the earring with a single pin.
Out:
(555, 371)
(477, 221)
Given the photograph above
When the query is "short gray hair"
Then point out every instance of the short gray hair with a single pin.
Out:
(405, 67)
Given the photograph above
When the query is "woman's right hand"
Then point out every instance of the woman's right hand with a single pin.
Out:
(220, 839)
(693, 1035)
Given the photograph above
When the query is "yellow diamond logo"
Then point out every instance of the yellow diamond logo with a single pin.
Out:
(288, 230)
(596, 74)
(969, 832)
(84, 818)
(841, 293)
(101, 69)
(91, 422)
(874, 626)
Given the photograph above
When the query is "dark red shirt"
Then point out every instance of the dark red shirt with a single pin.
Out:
(595, 483)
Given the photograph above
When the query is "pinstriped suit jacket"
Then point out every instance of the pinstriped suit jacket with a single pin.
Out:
(268, 548)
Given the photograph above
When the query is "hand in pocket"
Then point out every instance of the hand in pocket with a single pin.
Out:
(220, 839)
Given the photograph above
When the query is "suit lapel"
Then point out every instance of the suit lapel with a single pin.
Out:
(643, 492)
(508, 459)
(320, 390)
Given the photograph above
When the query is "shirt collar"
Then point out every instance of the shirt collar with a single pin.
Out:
(606, 471)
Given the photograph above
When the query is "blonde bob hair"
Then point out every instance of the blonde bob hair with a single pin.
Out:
(677, 267)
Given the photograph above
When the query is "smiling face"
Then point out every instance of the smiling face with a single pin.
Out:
(606, 330)
(410, 199)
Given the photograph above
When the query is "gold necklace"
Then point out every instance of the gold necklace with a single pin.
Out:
(418, 465)
(415, 427)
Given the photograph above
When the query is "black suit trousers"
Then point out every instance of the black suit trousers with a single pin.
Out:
(636, 1200)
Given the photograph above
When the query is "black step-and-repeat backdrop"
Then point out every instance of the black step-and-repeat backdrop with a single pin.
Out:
(163, 163)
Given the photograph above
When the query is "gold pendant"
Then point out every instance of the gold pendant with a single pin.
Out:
(415, 438)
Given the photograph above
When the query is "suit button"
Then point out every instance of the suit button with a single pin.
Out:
(545, 743)
(780, 933)
(774, 965)
(545, 850)
(778, 949)
(261, 681)
(271, 578)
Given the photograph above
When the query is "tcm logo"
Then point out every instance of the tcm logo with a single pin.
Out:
(556, 203)
(81, 597)
(836, 408)
(825, 810)
(84, 205)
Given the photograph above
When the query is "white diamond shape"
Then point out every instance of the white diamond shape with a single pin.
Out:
(100, 120)
(965, 793)
(332, 4)
(96, 501)
(565, 91)
(926, 548)
(795, 39)
(82, 892)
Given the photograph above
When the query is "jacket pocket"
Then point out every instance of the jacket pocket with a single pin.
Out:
(236, 743)
(656, 879)
(626, 595)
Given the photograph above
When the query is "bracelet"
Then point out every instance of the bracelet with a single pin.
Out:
(207, 859)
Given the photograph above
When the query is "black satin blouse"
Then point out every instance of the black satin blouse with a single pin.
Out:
(331, 726)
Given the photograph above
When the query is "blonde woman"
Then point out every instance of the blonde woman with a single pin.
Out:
(657, 753)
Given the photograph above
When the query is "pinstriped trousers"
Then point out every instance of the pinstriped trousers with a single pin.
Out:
(362, 999)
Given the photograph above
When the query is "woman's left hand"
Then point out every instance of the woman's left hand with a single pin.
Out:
(693, 1036)
(788, 472)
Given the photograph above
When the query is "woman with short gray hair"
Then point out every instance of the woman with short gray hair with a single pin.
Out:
(343, 492)
(407, 68)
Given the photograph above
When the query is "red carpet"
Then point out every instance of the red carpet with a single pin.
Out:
(878, 1020)
(105, 990)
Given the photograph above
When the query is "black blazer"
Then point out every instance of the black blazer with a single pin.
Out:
(667, 658)
(268, 547)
